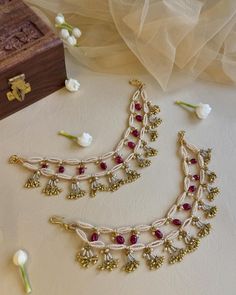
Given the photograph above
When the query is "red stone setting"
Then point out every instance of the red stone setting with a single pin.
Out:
(44, 165)
(119, 159)
(139, 118)
(61, 169)
(196, 177)
(131, 144)
(176, 222)
(158, 234)
(103, 165)
(138, 106)
(187, 206)
(191, 189)
(120, 239)
(135, 133)
(94, 237)
(193, 161)
(133, 239)
(81, 170)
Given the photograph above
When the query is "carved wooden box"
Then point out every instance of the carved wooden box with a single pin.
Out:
(31, 58)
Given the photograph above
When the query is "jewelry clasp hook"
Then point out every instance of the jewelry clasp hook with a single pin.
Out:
(136, 83)
(56, 220)
(60, 221)
(181, 136)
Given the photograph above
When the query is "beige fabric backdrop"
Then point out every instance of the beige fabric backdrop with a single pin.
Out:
(100, 108)
(176, 41)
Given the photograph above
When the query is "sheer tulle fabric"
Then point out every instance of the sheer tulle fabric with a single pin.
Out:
(175, 41)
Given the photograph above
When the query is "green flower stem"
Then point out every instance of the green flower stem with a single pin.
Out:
(63, 133)
(25, 279)
(65, 26)
(185, 104)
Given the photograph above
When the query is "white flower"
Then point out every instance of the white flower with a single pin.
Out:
(64, 33)
(19, 259)
(85, 139)
(76, 32)
(71, 40)
(59, 19)
(72, 85)
(203, 110)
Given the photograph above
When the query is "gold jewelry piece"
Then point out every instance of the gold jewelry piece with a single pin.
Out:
(176, 234)
(108, 172)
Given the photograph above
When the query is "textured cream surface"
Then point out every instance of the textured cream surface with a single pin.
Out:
(100, 108)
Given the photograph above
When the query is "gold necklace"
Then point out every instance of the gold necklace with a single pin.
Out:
(133, 147)
(177, 233)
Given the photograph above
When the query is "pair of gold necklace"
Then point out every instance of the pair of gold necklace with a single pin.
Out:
(171, 237)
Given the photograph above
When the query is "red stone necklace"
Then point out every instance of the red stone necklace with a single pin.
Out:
(107, 172)
(173, 236)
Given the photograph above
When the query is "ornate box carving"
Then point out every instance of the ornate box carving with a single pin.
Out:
(31, 58)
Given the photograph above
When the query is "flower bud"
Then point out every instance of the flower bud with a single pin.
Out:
(85, 139)
(71, 40)
(64, 34)
(20, 257)
(203, 110)
(76, 33)
(72, 85)
(59, 19)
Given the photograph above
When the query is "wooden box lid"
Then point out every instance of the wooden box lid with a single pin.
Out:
(30, 49)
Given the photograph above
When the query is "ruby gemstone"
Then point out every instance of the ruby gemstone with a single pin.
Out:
(131, 144)
(135, 133)
(61, 169)
(196, 177)
(133, 239)
(94, 237)
(81, 170)
(44, 165)
(176, 222)
(120, 239)
(103, 165)
(187, 206)
(139, 118)
(119, 159)
(138, 106)
(193, 161)
(192, 189)
(158, 234)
